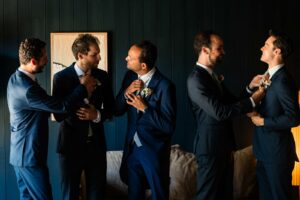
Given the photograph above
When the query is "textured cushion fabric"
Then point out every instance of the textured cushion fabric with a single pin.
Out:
(244, 178)
(116, 189)
(183, 171)
(183, 174)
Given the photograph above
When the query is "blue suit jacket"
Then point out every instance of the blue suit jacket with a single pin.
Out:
(155, 126)
(213, 108)
(274, 142)
(73, 132)
(29, 107)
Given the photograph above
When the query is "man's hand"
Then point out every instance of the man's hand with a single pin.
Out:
(258, 120)
(251, 114)
(89, 82)
(136, 85)
(256, 81)
(87, 113)
(258, 95)
(136, 101)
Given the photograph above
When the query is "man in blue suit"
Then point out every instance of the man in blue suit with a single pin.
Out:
(29, 107)
(214, 107)
(273, 142)
(81, 141)
(149, 99)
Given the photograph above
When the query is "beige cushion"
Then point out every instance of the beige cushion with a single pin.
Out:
(244, 178)
(183, 170)
(115, 187)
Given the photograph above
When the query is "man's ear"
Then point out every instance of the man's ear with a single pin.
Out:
(277, 51)
(33, 61)
(205, 50)
(144, 66)
(80, 55)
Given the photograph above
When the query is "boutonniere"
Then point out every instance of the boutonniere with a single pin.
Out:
(266, 82)
(221, 78)
(146, 92)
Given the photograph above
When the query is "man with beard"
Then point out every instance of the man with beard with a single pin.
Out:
(213, 107)
(81, 142)
(273, 142)
(30, 107)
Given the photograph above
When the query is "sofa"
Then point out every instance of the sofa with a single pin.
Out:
(183, 170)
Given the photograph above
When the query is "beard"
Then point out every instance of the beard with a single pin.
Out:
(216, 60)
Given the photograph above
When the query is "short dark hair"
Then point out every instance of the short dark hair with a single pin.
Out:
(30, 48)
(282, 42)
(203, 39)
(82, 42)
(148, 53)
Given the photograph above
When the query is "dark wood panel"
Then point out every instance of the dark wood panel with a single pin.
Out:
(95, 14)
(136, 25)
(150, 20)
(81, 15)
(122, 34)
(10, 61)
(164, 59)
(51, 25)
(66, 15)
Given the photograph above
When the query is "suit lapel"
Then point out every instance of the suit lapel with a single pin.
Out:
(209, 78)
(154, 81)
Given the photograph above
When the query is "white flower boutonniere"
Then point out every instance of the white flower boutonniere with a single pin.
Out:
(146, 92)
(266, 82)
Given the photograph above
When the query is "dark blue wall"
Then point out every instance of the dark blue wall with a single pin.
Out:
(171, 25)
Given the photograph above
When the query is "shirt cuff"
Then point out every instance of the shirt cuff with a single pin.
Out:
(98, 119)
(249, 90)
(252, 102)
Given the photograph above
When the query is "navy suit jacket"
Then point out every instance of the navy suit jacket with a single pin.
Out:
(154, 127)
(29, 107)
(73, 132)
(274, 142)
(213, 109)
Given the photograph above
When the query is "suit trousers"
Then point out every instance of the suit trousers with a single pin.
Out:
(274, 180)
(33, 183)
(142, 175)
(215, 177)
(94, 166)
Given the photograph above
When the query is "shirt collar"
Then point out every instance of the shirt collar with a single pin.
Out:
(147, 77)
(274, 69)
(210, 71)
(78, 70)
(32, 76)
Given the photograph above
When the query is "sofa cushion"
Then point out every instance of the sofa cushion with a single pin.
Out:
(183, 170)
(244, 178)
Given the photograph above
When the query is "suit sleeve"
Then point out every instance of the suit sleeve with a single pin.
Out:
(288, 99)
(107, 109)
(38, 99)
(72, 99)
(201, 94)
(163, 117)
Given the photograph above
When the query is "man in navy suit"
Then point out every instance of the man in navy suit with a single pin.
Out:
(81, 141)
(29, 107)
(149, 99)
(214, 107)
(273, 142)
